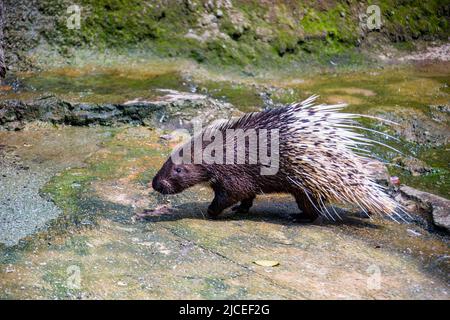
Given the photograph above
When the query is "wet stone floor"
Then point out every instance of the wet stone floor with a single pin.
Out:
(92, 243)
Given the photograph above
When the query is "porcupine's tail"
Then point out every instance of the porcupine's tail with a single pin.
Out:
(329, 162)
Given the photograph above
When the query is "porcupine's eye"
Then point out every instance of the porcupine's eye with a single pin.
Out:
(178, 170)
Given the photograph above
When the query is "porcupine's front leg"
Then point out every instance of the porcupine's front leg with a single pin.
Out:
(309, 212)
(244, 206)
(220, 202)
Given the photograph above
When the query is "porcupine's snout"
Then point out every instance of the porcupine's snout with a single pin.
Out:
(161, 185)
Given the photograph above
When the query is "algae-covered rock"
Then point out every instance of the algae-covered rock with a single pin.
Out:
(218, 32)
(415, 126)
(413, 165)
(175, 109)
(438, 207)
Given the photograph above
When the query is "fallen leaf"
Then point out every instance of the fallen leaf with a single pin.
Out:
(266, 263)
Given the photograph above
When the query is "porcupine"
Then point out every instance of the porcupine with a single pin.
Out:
(319, 163)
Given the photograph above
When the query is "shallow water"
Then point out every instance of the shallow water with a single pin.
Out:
(96, 87)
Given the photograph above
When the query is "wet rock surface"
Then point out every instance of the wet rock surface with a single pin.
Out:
(431, 53)
(175, 109)
(22, 210)
(437, 207)
(419, 129)
(28, 160)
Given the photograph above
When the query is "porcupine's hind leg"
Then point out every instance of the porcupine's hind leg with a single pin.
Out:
(309, 211)
(221, 201)
(244, 206)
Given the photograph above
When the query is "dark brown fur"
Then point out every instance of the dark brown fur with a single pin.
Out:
(231, 184)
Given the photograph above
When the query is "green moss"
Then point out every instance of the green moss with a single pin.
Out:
(146, 177)
(65, 190)
(299, 29)
(60, 281)
(77, 244)
(285, 42)
(405, 46)
(403, 21)
(333, 25)
(438, 181)
(9, 255)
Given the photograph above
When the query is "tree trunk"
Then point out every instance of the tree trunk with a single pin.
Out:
(2, 40)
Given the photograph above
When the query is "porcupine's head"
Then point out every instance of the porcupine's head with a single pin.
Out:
(175, 177)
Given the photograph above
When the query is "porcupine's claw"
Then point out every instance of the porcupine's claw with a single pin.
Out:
(240, 209)
(301, 218)
(244, 206)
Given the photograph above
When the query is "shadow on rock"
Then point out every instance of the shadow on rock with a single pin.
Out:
(263, 211)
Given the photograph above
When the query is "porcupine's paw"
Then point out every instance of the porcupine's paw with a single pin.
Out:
(244, 206)
(213, 214)
(240, 209)
(301, 218)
